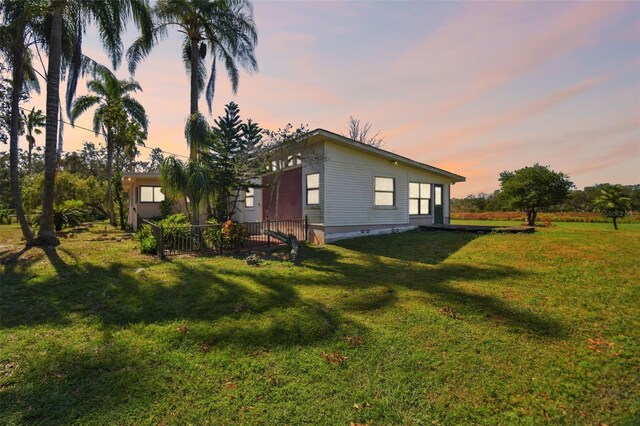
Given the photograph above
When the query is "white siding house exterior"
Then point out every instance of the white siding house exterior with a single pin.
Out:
(347, 174)
(357, 190)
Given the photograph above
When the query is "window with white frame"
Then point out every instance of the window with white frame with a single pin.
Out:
(151, 194)
(385, 192)
(419, 198)
(249, 198)
(313, 189)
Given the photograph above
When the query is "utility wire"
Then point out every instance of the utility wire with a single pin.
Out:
(75, 126)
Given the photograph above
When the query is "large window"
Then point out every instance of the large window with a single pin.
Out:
(385, 195)
(419, 198)
(151, 194)
(249, 198)
(313, 189)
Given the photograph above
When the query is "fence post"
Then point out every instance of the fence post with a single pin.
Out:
(160, 242)
(306, 227)
(268, 236)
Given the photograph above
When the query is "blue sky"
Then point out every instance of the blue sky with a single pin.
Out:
(474, 87)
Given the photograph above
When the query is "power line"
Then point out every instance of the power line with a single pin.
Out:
(75, 126)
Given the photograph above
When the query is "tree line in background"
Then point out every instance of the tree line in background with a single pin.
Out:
(578, 200)
(222, 31)
(537, 189)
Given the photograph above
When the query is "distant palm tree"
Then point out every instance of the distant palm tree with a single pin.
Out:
(224, 29)
(16, 38)
(115, 108)
(66, 22)
(32, 122)
(613, 203)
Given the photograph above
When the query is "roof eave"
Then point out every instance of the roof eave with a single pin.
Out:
(381, 152)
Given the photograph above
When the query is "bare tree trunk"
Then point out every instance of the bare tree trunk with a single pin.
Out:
(120, 202)
(47, 235)
(615, 223)
(16, 195)
(112, 217)
(193, 152)
(531, 216)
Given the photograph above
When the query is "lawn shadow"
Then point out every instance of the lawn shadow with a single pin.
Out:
(413, 246)
(373, 275)
(119, 295)
(65, 384)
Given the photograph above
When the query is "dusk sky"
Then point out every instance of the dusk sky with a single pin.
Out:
(472, 87)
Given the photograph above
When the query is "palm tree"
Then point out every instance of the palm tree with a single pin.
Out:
(190, 180)
(32, 121)
(613, 203)
(66, 22)
(223, 29)
(115, 107)
(16, 39)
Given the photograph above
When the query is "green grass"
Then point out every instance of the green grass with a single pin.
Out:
(95, 333)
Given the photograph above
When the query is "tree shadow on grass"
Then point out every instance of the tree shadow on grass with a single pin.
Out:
(414, 246)
(66, 384)
(118, 295)
(372, 280)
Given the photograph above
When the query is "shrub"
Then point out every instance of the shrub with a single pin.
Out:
(176, 231)
(146, 239)
(68, 214)
(226, 235)
(5, 217)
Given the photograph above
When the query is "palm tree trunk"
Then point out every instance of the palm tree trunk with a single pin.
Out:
(193, 154)
(47, 235)
(16, 195)
(112, 217)
(30, 153)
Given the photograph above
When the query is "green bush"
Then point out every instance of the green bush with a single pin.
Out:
(5, 217)
(68, 214)
(146, 239)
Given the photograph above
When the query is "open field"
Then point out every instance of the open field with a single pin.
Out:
(416, 328)
(584, 217)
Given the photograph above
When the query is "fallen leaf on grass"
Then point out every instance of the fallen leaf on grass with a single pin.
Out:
(450, 312)
(357, 406)
(229, 385)
(183, 329)
(598, 344)
(358, 424)
(354, 340)
(204, 347)
(334, 357)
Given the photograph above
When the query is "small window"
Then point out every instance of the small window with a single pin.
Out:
(385, 192)
(249, 198)
(151, 194)
(298, 159)
(419, 198)
(313, 189)
(290, 161)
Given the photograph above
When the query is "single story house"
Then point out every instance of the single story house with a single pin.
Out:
(345, 189)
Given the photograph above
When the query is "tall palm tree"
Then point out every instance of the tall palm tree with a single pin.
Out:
(66, 22)
(115, 107)
(613, 203)
(16, 39)
(222, 29)
(32, 122)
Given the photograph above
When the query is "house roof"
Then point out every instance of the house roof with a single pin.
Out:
(322, 134)
(128, 179)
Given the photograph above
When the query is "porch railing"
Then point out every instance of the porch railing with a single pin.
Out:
(216, 238)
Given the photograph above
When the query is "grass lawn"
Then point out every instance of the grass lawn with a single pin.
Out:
(417, 328)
